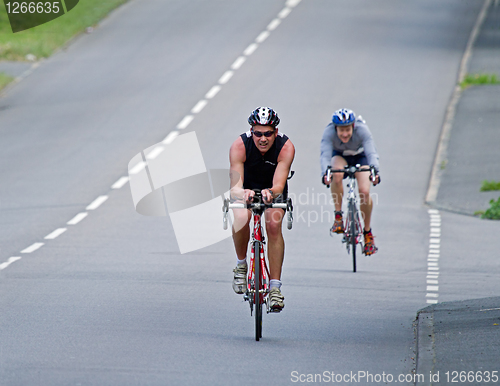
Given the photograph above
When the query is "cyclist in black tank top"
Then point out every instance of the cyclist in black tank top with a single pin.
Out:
(261, 159)
(259, 168)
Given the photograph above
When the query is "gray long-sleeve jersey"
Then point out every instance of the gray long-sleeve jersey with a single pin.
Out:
(361, 141)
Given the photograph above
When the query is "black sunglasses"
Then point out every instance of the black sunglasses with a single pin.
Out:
(259, 134)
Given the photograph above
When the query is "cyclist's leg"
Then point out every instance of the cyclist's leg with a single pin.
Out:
(241, 231)
(365, 200)
(275, 254)
(336, 187)
(276, 245)
(366, 206)
(241, 236)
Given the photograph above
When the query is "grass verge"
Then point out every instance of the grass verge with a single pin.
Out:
(479, 79)
(5, 80)
(493, 212)
(489, 186)
(43, 40)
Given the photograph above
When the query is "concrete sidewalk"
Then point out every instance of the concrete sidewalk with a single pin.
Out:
(457, 342)
(474, 146)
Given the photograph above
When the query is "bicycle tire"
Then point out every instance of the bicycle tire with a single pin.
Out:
(353, 230)
(258, 287)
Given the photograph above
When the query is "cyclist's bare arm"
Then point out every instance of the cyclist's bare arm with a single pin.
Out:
(237, 158)
(285, 160)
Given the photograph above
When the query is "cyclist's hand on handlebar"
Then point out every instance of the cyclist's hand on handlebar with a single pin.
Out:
(325, 180)
(248, 195)
(267, 196)
(327, 177)
(374, 176)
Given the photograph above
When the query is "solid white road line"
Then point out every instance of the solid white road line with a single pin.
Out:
(55, 234)
(32, 248)
(79, 217)
(97, 203)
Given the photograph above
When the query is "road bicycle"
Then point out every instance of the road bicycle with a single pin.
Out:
(258, 274)
(353, 226)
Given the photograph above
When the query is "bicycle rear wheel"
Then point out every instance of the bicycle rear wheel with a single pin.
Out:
(353, 235)
(258, 288)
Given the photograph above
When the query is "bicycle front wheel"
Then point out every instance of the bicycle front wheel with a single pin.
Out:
(258, 288)
(353, 233)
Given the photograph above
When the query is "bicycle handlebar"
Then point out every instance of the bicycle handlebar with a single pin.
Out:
(257, 205)
(351, 170)
(288, 206)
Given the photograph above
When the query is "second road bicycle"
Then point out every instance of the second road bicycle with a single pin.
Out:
(353, 226)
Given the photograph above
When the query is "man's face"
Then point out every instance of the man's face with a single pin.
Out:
(266, 139)
(345, 132)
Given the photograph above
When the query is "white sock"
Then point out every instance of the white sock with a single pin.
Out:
(241, 262)
(275, 283)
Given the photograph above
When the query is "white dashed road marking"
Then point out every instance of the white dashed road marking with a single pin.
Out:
(56, 233)
(238, 63)
(9, 262)
(183, 124)
(199, 106)
(32, 248)
(79, 217)
(97, 203)
(225, 78)
(213, 92)
(120, 183)
(433, 257)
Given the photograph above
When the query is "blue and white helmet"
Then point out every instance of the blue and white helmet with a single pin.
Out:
(264, 116)
(343, 117)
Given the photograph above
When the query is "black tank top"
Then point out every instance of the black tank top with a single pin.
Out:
(259, 169)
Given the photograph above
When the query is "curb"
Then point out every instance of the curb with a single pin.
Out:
(425, 346)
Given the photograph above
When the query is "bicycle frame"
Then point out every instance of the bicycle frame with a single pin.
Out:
(258, 274)
(353, 227)
(258, 241)
(352, 212)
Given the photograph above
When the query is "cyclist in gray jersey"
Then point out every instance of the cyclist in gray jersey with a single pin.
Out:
(347, 140)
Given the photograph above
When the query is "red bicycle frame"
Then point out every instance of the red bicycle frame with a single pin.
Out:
(258, 239)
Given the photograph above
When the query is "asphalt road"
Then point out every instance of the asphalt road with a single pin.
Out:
(112, 301)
